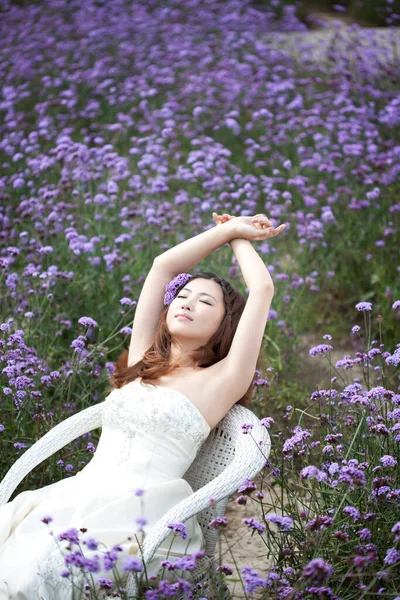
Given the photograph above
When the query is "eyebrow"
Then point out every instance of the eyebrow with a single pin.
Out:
(201, 293)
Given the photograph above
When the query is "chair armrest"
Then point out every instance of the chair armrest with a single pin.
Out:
(248, 460)
(59, 436)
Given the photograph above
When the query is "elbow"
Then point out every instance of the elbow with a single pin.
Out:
(264, 287)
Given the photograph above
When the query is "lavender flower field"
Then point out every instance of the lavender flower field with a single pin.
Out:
(124, 125)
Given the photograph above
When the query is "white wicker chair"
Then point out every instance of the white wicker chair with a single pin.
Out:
(224, 460)
(55, 439)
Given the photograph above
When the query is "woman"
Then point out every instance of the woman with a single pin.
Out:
(191, 358)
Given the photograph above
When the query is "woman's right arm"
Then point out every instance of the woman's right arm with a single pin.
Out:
(186, 255)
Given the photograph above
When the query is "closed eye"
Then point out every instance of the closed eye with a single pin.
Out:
(209, 303)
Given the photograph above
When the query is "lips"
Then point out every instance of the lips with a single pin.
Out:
(184, 316)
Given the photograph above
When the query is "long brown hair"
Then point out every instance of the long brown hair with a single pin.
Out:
(155, 361)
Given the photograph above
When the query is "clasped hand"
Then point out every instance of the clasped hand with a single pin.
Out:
(258, 227)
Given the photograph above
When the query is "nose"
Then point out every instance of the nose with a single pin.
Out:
(185, 307)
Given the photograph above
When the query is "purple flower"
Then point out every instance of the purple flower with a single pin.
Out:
(225, 568)
(392, 556)
(320, 522)
(247, 427)
(252, 579)
(127, 301)
(296, 440)
(317, 570)
(396, 531)
(388, 461)
(267, 422)
(92, 565)
(185, 563)
(91, 543)
(111, 557)
(18, 183)
(218, 522)
(178, 528)
(76, 558)
(241, 500)
(252, 523)
(105, 583)
(65, 573)
(352, 512)
(234, 125)
(87, 322)
(47, 520)
(172, 287)
(394, 359)
(71, 535)
(364, 306)
(312, 471)
(285, 523)
(321, 349)
(365, 534)
(141, 521)
(131, 563)
(19, 445)
(247, 486)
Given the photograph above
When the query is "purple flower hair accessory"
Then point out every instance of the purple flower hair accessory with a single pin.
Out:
(172, 287)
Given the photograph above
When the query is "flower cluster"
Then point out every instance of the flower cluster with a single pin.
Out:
(173, 286)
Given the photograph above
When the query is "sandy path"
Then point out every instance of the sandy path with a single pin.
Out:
(381, 43)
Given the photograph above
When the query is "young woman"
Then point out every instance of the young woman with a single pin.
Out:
(194, 348)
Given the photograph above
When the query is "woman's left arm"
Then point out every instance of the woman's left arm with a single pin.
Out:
(254, 271)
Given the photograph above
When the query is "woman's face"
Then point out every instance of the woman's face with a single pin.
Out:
(202, 300)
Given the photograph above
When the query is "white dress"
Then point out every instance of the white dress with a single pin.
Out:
(150, 436)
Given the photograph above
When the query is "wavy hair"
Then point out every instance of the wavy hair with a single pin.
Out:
(155, 361)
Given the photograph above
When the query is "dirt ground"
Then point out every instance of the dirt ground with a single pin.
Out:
(247, 550)
(381, 43)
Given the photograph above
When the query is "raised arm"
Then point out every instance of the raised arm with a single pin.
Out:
(237, 369)
(188, 254)
(55, 439)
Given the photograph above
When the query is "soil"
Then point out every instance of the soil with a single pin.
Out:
(332, 32)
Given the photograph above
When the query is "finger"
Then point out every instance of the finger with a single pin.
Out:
(263, 222)
(278, 230)
(258, 225)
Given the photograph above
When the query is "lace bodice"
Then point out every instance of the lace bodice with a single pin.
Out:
(156, 409)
